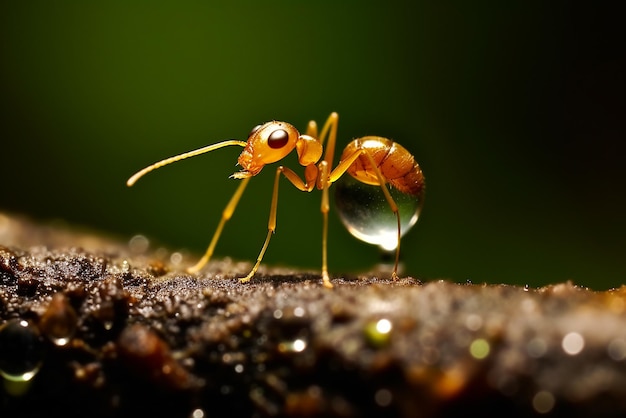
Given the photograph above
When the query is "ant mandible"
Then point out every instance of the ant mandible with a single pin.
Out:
(371, 160)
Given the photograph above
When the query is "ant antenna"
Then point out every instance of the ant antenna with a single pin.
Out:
(179, 157)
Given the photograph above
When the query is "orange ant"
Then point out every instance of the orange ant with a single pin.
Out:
(371, 160)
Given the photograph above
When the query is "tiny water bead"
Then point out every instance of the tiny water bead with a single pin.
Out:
(59, 322)
(365, 212)
(21, 350)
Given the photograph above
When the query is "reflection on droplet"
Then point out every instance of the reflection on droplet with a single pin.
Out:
(295, 346)
(573, 343)
(365, 212)
(383, 326)
(543, 402)
(239, 368)
(21, 350)
(378, 333)
(479, 348)
(278, 314)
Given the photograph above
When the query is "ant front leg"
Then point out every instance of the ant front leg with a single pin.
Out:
(227, 213)
(271, 223)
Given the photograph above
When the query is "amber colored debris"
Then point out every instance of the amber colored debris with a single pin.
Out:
(93, 327)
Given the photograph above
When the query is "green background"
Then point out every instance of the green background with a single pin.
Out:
(515, 111)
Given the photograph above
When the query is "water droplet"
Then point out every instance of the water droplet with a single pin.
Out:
(543, 401)
(198, 413)
(479, 348)
(59, 321)
(139, 244)
(365, 212)
(473, 322)
(295, 346)
(573, 343)
(378, 333)
(176, 258)
(383, 397)
(21, 350)
(298, 312)
(617, 349)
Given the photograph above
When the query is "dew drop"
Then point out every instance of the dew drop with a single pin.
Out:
(296, 346)
(543, 402)
(573, 343)
(365, 212)
(59, 321)
(21, 350)
(383, 397)
(198, 413)
(479, 348)
(378, 333)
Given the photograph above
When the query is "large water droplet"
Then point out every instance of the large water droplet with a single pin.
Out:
(365, 212)
(21, 350)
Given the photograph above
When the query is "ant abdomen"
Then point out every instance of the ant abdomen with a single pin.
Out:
(397, 166)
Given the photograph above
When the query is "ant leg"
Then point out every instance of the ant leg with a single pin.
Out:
(271, 223)
(325, 208)
(271, 227)
(341, 169)
(330, 129)
(226, 215)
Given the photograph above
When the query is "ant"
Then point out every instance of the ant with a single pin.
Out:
(371, 160)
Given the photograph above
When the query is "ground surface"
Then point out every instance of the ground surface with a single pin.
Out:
(94, 327)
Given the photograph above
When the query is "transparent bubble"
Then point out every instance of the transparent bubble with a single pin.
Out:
(21, 350)
(365, 212)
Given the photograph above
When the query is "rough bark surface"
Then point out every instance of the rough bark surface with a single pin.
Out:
(96, 327)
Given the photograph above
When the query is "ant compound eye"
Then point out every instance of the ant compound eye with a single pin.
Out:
(253, 131)
(278, 139)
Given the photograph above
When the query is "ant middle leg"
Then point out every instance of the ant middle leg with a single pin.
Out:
(271, 223)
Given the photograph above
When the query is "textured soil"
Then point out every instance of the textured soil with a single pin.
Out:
(96, 327)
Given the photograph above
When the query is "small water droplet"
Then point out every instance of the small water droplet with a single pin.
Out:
(365, 212)
(383, 397)
(198, 413)
(479, 348)
(139, 244)
(378, 333)
(21, 350)
(543, 401)
(176, 258)
(573, 343)
(59, 321)
(295, 346)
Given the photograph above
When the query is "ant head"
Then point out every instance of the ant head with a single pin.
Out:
(266, 144)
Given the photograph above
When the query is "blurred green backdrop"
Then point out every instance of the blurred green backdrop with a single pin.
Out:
(515, 111)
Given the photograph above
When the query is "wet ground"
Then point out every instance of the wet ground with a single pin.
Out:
(96, 327)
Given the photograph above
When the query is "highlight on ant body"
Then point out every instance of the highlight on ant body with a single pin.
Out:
(381, 171)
